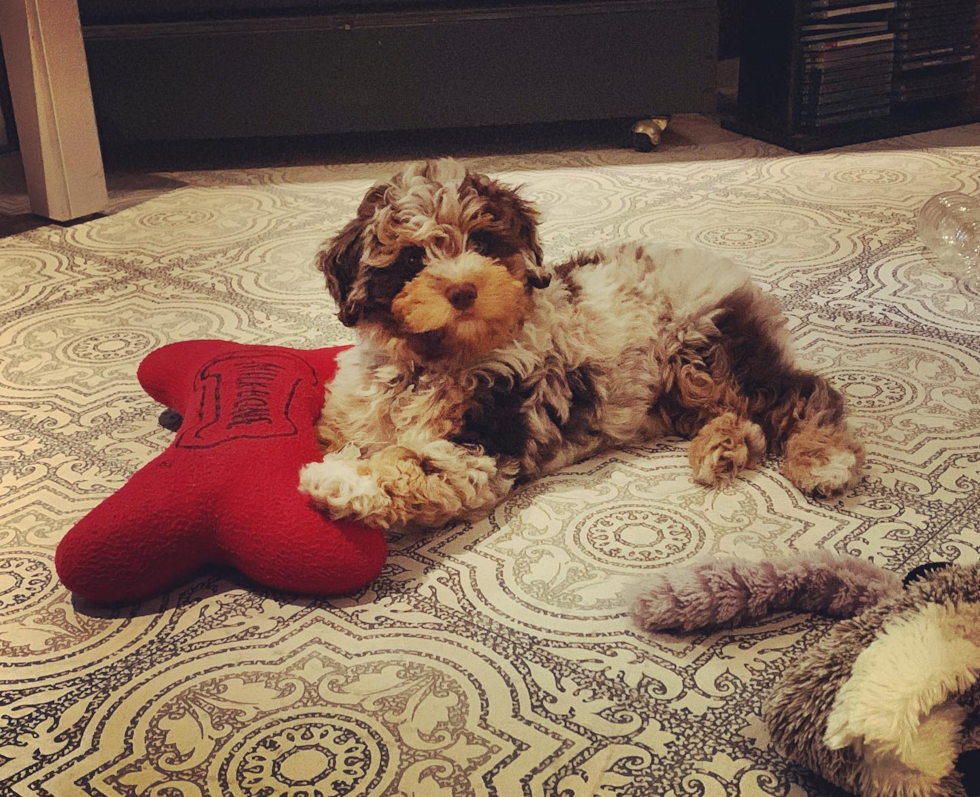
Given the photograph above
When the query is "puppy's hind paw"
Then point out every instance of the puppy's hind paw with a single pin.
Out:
(724, 447)
(824, 461)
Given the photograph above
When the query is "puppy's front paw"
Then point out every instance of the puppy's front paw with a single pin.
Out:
(724, 447)
(343, 487)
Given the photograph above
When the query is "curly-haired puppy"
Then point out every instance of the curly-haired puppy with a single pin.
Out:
(479, 367)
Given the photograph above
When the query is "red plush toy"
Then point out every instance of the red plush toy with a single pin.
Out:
(226, 490)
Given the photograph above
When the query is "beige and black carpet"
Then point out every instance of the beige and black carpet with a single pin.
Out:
(495, 658)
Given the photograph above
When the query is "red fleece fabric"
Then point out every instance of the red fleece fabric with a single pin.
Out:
(226, 490)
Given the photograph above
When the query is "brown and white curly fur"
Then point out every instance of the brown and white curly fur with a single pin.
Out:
(478, 367)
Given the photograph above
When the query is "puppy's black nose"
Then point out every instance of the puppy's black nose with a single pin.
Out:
(462, 296)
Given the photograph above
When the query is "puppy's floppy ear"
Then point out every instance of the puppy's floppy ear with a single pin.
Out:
(340, 259)
(526, 218)
(340, 262)
(520, 219)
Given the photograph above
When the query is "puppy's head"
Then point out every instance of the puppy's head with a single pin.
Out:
(438, 264)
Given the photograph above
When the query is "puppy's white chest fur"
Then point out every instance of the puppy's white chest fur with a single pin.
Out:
(374, 403)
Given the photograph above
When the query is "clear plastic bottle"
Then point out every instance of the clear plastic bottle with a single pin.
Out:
(949, 225)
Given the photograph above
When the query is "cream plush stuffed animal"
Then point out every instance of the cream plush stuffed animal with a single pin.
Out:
(888, 703)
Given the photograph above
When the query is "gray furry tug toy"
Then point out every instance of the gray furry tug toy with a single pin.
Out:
(888, 703)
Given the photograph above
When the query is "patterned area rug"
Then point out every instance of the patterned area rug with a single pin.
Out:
(495, 658)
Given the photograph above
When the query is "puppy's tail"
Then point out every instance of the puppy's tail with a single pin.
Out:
(719, 593)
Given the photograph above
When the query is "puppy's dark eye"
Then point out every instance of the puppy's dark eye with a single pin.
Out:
(484, 242)
(412, 258)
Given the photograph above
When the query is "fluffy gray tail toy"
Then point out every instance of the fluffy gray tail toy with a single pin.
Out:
(725, 593)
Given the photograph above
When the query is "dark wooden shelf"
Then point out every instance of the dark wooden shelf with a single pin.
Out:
(770, 105)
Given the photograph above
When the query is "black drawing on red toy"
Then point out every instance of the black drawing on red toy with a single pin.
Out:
(244, 396)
